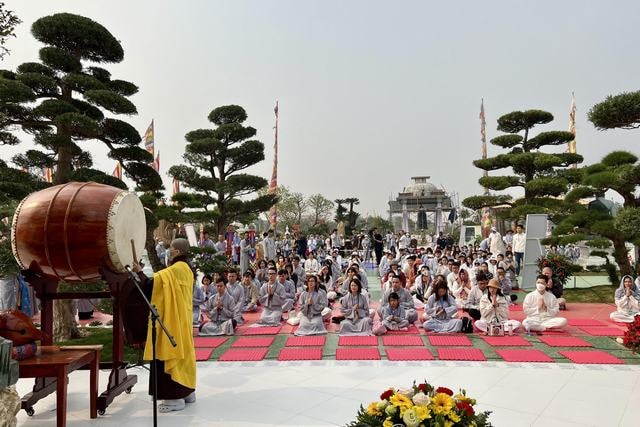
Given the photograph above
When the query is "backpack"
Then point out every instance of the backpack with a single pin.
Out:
(467, 325)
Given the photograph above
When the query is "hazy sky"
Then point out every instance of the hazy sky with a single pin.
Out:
(371, 92)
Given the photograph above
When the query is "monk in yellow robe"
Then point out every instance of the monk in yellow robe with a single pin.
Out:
(172, 292)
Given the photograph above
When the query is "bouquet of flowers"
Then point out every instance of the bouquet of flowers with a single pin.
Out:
(421, 405)
(561, 267)
(631, 338)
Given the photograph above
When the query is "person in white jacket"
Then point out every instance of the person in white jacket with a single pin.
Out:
(494, 308)
(627, 298)
(541, 308)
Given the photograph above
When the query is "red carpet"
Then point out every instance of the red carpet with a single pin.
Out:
(203, 354)
(361, 353)
(408, 354)
(410, 330)
(565, 342)
(515, 307)
(313, 341)
(443, 340)
(523, 356)
(357, 341)
(595, 356)
(253, 342)
(404, 340)
(602, 331)
(209, 342)
(244, 354)
(513, 341)
(262, 330)
(314, 353)
(461, 354)
(585, 322)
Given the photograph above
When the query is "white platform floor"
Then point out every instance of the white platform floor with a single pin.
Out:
(328, 393)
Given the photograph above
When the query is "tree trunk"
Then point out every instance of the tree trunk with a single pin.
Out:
(64, 321)
(620, 254)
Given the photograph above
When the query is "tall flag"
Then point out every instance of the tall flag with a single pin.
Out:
(273, 184)
(117, 171)
(485, 221)
(572, 126)
(47, 174)
(148, 139)
(176, 186)
(156, 162)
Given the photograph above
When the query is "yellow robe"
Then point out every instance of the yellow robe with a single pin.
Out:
(172, 295)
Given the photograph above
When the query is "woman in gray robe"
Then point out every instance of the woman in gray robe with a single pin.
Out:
(312, 303)
(355, 308)
(441, 306)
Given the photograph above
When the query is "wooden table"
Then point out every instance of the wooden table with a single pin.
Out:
(57, 366)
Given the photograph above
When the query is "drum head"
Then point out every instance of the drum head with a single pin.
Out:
(126, 222)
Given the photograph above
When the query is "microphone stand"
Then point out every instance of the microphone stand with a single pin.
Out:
(155, 317)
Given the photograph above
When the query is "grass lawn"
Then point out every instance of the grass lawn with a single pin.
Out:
(103, 336)
(603, 294)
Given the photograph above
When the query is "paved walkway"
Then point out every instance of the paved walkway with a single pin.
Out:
(328, 393)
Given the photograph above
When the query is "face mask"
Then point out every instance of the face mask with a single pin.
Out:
(541, 287)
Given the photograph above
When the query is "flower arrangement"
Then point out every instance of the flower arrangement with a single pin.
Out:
(560, 265)
(421, 405)
(631, 337)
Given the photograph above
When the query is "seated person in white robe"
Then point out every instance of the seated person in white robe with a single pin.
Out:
(272, 296)
(441, 307)
(355, 308)
(541, 308)
(312, 305)
(627, 300)
(220, 309)
(393, 316)
(406, 300)
(461, 287)
(250, 303)
(494, 308)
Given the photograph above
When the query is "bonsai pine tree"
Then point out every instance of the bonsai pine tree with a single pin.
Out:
(542, 176)
(215, 159)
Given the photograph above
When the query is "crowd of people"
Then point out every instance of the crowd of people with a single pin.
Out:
(457, 288)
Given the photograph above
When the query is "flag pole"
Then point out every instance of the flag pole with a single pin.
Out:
(273, 185)
(485, 220)
(572, 127)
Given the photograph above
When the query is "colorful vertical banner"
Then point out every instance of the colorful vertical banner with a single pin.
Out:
(572, 127)
(273, 184)
(176, 186)
(485, 221)
(117, 171)
(47, 174)
(156, 162)
(149, 139)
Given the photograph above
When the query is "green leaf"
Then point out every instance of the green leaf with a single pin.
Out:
(82, 82)
(78, 125)
(507, 141)
(15, 91)
(120, 132)
(74, 33)
(123, 88)
(499, 183)
(111, 101)
(619, 111)
(59, 59)
(518, 121)
(35, 67)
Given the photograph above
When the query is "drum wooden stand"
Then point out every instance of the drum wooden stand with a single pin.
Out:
(46, 290)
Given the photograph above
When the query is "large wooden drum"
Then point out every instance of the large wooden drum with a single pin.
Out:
(69, 231)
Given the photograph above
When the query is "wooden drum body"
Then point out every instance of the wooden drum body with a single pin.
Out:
(69, 231)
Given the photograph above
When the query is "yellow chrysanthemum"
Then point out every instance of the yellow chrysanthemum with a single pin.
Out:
(422, 412)
(462, 398)
(448, 423)
(454, 417)
(442, 403)
(401, 401)
(387, 423)
(372, 409)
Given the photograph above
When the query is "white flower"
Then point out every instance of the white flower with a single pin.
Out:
(421, 399)
(407, 392)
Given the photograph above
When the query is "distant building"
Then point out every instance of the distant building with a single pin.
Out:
(422, 202)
